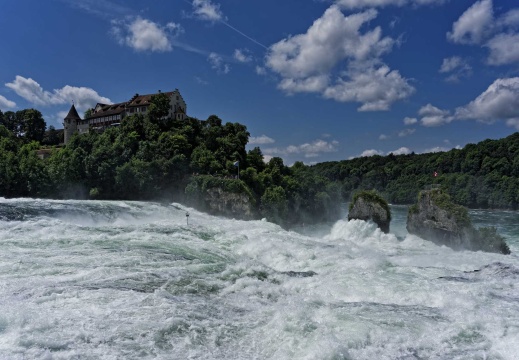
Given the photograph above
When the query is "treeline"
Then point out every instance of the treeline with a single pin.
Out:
(149, 157)
(483, 175)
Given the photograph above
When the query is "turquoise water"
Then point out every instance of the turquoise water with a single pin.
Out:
(134, 280)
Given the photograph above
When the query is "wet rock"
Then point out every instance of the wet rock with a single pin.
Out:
(299, 274)
(436, 218)
(368, 205)
(229, 204)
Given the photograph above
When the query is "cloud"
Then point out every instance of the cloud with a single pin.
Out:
(267, 158)
(306, 62)
(371, 152)
(260, 140)
(457, 66)
(383, 137)
(499, 102)
(402, 151)
(101, 8)
(509, 19)
(201, 81)
(410, 121)
(433, 116)
(6, 104)
(376, 88)
(477, 26)
(474, 24)
(218, 64)
(436, 149)
(83, 97)
(504, 49)
(242, 56)
(357, 4)
(261, 70)
(406, 132)
(206, 10)
(145, 35)
(309, 150)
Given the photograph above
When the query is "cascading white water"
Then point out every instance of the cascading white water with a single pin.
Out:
(133, 280)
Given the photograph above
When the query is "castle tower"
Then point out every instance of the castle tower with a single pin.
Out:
(70, 123)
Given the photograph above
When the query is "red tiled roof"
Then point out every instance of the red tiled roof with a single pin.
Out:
(144, 100)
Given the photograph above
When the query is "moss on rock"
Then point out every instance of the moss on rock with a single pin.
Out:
(369, 205)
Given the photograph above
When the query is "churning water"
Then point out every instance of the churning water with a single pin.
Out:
(134, 280)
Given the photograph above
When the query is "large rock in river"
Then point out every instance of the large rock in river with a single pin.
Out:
(368, 205)
(436, 218)
(220, 196)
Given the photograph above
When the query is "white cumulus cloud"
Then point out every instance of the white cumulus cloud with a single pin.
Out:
(474, 24)
(375, 88)
(406, 132)
(355, 4)
(145, 35)
(83, 97)
(261, 70)
(309, 150)
(499, 102)
(6, 104)
(433, 116)
(218, 64)
(371, 152)
(456, 67)
(306, 62)
(478, 26)
(206, 10)
(260, 140)
(242, 56)
(410, 120)
(509, 19)
(401, 151)
(504, 49)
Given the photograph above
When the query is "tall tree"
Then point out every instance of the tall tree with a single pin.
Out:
(33, 125)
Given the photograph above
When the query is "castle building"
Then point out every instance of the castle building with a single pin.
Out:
(105, 115)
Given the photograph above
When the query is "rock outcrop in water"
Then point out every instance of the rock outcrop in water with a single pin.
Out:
(229, 204)
(436, 218)
(368, 205)
(219, 196)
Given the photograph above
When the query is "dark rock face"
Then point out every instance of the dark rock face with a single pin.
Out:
(228, 204)
(436, 218)
(366, 208)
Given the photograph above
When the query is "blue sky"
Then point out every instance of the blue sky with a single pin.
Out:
(313, 80)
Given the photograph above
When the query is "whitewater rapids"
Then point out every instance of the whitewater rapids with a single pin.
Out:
(136, 280)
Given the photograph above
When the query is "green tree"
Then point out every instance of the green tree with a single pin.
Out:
(51, 136)
(274, 204)
(32, 124)
(159, 108)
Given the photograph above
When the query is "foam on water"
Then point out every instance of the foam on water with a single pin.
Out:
(108, 280)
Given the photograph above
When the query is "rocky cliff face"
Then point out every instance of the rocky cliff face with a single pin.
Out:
(436, 218)
(369, 206)
(228, 204)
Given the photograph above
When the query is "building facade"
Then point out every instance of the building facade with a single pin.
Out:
(105, 115)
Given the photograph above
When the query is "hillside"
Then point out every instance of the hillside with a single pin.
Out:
(482, 175)
(151, 158)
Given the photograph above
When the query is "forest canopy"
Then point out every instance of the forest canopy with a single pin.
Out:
(149, 157)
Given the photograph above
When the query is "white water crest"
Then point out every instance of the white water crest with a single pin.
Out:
(136, 280)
